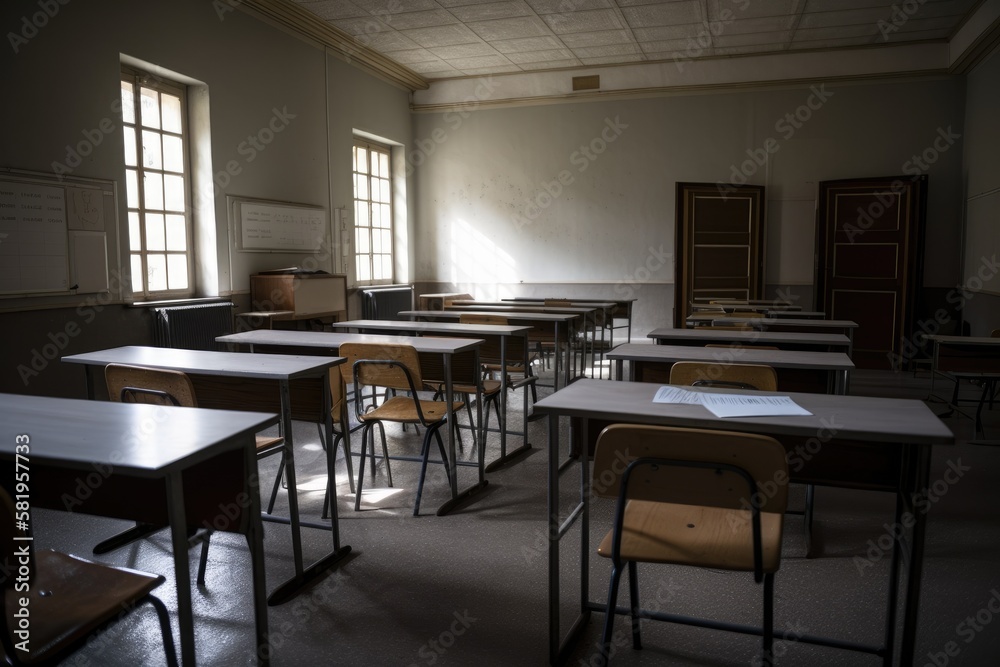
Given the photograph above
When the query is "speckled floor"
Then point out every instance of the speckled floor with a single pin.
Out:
(470, 588)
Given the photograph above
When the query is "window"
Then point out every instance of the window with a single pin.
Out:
(157, 185)
(372, 213)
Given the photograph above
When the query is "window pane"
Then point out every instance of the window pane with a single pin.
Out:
(173, 154)
(152, 186)
(386, 267)
(171, 113)
(134, 235)
(386, 240)
(128, 102)
(361, 214)
(130, 146)
(137, 277)
(131, 188)
(376, 241)
(361, 240)
(376, 216)
(152, 157)
(383, 161)
(176, 233)
(361, 187)
(173, 192)
(154, 232)
(149, 107)
(177, 271)
(156, 274)
(383, 190)
(364, 270)
(362, 161)
(385, 214)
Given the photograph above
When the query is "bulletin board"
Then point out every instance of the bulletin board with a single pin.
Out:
(54, 233)
(267, 226)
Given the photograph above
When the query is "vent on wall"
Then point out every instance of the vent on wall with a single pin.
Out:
(592, 82)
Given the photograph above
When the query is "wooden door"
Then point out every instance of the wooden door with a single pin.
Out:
(869, 247)
(719, 245)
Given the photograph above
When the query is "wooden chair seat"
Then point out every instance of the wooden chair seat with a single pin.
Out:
(695, 535)
(267, 443)
(70, 598)
(403, 409)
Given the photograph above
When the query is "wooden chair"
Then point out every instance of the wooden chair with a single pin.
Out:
(518, 361)
(690, 497)
(737, 376)
(139, 384)
(394, 367)
(69, 598)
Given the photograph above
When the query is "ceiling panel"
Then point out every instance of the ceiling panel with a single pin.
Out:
(451, 38)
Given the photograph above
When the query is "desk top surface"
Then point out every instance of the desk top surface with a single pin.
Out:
(885, 420)
(508, 308)
(589, 305)
(575, 299)
(332, 341)
(145, 440)
(708, 315)
(435, 327)
(525, 316)
(834, 361)
(206, 362)
(966, 340)
(751, 337)
(788, 322)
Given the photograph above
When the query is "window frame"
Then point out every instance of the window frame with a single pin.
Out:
(373, 147)
(139, 79)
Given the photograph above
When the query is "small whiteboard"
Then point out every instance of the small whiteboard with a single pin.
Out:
(271, 225)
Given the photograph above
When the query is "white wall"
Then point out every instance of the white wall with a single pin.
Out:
(478, 177)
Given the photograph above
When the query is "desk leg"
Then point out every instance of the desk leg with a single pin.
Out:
(920, 477)
(304, 576)
(452, 462)
(619, 369)
(255, 541)
(505, 458)
(182, 571)
(557, 353)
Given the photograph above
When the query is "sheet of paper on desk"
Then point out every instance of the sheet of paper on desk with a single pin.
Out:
(677, 395)
(743, 405)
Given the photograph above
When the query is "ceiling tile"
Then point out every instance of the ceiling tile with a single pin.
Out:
(473, 50)
(479, 62)
(437, 67)
(555, 64)
(482, 71)
(665, 46)
(424, 19)
(767, 24)
(384, 7)
(753, 38)
(597, 38)
(361, 25)
(527, 44)
(516, 28)
(686, 31)
(559, 6)
(608, 60)
(739, 10)
(539, 56)
(492, 10)
(673, 13)
(389, 40)
(442, 36)
(411, 56)
(608, 50)
(587, 21)
(856, 17)
(333, 9)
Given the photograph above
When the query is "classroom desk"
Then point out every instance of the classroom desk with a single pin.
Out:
(500, 332)
(623, 310)
(588, 315)
(786, 340)
(233, 373)
(775, 324)
(966, 358)
(867, 443)
(517, 318)
(797, 370)
(147, 474)
(705, 315)
(446, 347)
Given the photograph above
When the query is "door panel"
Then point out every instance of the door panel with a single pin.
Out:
(719, 241)
(869, 238)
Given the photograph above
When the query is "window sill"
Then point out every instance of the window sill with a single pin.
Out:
(178, 302)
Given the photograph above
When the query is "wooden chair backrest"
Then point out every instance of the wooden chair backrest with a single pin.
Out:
(338, 395)
(474, 318)
(693, 373)
(995, 333)
(761, 456)
(138, 384)
(382, 375)
(464, 369)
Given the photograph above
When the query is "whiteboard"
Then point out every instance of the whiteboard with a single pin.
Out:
(270, 225)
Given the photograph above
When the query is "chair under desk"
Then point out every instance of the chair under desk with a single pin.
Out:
(867, 443)
(823, 372)
(227, 380)
(179, 473)
(442, 348)
(498, 332)
(621, 311)
(560, 324)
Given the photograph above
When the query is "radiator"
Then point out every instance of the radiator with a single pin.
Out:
(382, 303)
(193, 327)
